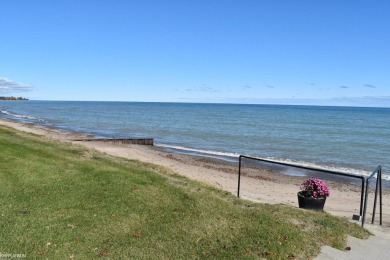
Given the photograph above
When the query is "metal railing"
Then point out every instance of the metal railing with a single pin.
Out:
(378, 173)
(311, 169)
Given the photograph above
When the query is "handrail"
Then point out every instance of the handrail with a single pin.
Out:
(378, 172)
(307, 168)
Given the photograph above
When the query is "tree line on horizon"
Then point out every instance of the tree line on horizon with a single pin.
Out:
(13, 98)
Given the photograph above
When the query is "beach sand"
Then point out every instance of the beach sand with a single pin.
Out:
(257, 183)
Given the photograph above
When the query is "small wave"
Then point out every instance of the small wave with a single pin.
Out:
(352, 171)
(234, 156)
(21, 116)
(200, 151)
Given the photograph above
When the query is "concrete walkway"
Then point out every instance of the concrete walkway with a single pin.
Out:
(375, 247)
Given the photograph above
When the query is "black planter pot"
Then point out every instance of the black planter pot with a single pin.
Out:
(310, 203)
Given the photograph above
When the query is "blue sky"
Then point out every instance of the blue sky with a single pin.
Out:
(320, 52)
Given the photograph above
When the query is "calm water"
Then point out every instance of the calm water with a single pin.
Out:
(349, 139)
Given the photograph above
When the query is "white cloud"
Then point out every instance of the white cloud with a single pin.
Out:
(8, 86)
(204, 88)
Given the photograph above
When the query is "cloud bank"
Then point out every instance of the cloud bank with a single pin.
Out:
(9, 86)
(341, 101)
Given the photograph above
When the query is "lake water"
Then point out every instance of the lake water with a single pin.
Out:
(348, 139)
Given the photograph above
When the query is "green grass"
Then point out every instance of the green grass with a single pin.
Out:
(59, 200)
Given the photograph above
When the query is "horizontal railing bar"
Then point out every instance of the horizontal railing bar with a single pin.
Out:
(303, 167)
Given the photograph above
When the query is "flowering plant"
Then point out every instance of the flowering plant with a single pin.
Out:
(314, 188)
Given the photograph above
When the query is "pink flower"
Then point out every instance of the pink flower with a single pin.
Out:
(315, 188)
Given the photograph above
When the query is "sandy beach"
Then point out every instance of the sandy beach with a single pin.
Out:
(257, 184)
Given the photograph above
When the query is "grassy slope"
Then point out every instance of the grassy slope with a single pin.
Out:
(59, 200)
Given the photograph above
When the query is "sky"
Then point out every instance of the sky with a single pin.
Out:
(313, 52)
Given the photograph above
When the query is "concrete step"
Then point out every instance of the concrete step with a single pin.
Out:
(375, 247)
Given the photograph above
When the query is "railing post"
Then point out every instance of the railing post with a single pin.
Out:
(375, 198)
(361, 197)
(365, 202)
(239, 175)
(380, 195)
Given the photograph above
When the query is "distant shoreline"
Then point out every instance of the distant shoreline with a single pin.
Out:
(14, 98)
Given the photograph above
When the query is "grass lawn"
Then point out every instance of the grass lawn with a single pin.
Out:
(59, 200)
